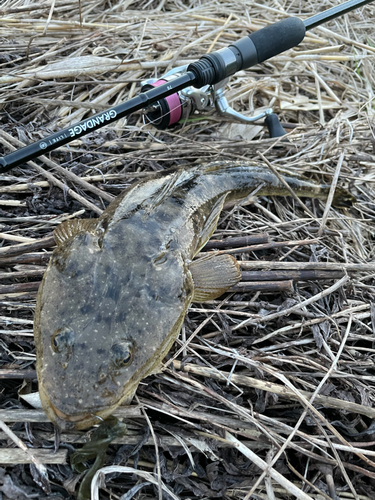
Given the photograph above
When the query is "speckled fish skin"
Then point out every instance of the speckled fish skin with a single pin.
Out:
(126, 282)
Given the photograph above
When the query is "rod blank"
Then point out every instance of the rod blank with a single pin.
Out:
(339, 10)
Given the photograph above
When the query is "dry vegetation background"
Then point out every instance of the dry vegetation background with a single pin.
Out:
(269, 391)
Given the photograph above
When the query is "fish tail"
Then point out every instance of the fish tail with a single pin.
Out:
(343, 199)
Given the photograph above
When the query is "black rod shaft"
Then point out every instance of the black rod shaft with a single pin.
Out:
(142, 100)
(339, 10)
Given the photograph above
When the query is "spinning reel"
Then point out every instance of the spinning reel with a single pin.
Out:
(178, 107)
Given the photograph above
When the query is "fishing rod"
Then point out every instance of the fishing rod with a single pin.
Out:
(164, 101)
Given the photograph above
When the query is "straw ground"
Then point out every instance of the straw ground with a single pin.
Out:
(269, 391)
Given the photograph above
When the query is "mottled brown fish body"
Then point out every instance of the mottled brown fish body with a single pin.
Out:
(117, 288)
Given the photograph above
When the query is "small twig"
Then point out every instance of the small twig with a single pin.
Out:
(46, 242)
(39, 259)
(100, 474)
(263, 286)
(20, 287)
(13, 237)
(304, 275)
(331, 194)
(276, 476)
(267, 479)
(160, 487)
(33, 273)
(240, 241)
(329, 266)
(11, 456)
(17, 374)
(270, 246)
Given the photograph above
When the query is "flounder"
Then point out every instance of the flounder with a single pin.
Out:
(117, 288)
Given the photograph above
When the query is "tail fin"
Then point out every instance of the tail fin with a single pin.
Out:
(343, 199)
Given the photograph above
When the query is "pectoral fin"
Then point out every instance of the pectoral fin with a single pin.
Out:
(213, 275)
(71, 228)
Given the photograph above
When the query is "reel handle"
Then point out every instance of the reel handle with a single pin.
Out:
(274, 126)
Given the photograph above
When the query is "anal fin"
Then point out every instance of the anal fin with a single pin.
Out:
(211, 223)
(213, 275)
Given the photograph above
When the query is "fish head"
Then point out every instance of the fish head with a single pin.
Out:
(106, 316)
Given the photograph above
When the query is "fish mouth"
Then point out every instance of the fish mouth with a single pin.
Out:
(74, 422)
(69, 418)
(70, 422)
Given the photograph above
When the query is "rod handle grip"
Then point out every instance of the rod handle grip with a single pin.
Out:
(278, 37)
(248, 51)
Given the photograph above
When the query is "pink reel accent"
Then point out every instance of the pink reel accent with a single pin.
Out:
(174, 104)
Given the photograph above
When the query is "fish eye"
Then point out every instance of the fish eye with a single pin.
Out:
(122, 353)
(62, 339)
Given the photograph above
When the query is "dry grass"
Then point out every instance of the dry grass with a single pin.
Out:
(266, 393)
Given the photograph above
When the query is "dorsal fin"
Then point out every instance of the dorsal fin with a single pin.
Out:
(70, 228)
